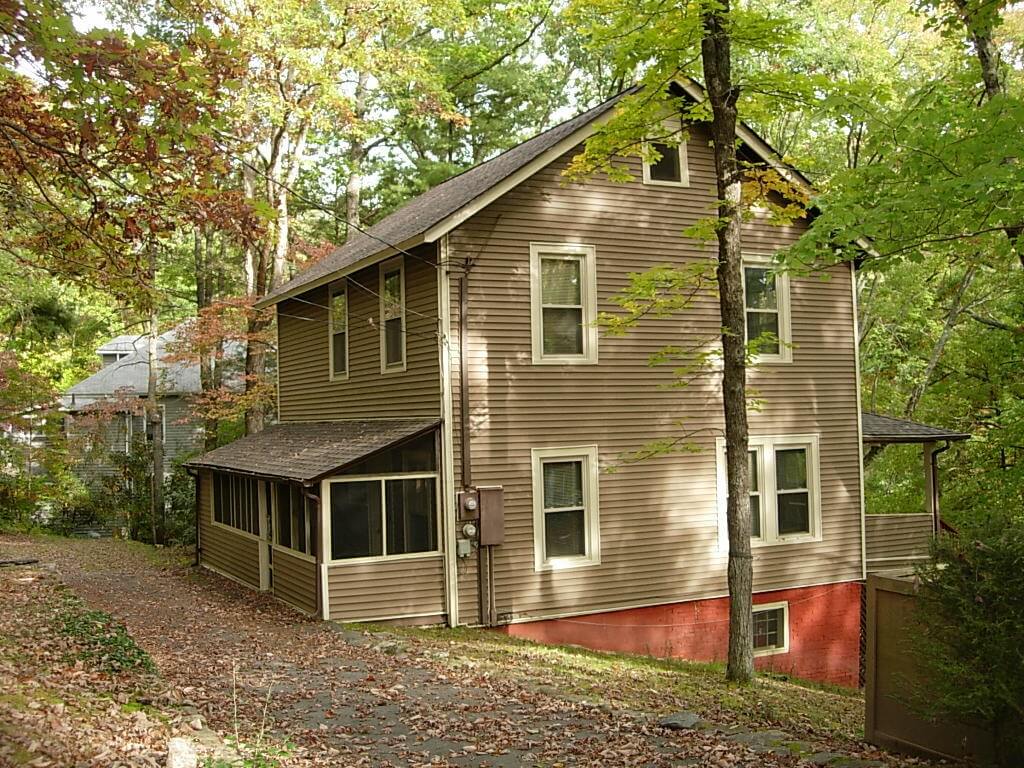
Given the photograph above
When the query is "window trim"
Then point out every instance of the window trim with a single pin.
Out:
(325, 522)
(382, 270)
(674, 126)
(591, 508)
(334, 289)
(766, 445)
(784, 648)
(587, 256)
(782, 297)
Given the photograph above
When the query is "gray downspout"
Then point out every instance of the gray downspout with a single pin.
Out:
(934, 490)
(195, 477)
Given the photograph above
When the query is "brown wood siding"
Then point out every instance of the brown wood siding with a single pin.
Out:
(295, 580)
(386, 589)
(306, 390)
(896, 541)
(233, 554)
(659, 518)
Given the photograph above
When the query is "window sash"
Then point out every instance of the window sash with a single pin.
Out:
(392, 316)
(773, 317)
(338, 323)
(673, 157)
(559, 503)
(563, 304)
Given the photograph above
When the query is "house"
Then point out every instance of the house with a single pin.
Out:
(450, 416)
(106, 409)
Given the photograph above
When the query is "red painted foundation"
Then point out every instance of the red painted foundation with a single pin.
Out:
(824, 632)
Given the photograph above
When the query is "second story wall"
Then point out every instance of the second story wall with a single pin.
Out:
(659, 523)
(308, 392)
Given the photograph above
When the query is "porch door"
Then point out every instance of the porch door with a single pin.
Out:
(266, 536)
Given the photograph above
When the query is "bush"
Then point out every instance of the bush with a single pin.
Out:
(970, 642)
(180, 502)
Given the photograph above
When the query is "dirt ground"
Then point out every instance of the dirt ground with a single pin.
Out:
(313, 693)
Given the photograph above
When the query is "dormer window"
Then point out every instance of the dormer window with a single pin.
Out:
(669, 167)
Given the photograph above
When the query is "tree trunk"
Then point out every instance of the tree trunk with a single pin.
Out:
(204, 298)
(716, 57)
(156, 496)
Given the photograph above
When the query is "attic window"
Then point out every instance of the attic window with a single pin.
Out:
(669, 168)
(392, 316)
(339, 331)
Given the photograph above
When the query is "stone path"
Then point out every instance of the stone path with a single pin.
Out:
(346, 698)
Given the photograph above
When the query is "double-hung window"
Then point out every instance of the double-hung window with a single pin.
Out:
(785, 501)
(563, 302)
(338, 322)
(766, 303)
(664, 159)
(392, 316)
(566, 520)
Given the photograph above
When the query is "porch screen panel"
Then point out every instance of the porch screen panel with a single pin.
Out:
(356, 520)
(411, 515)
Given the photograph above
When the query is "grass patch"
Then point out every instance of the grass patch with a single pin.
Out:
(647, 684)
(100, 639)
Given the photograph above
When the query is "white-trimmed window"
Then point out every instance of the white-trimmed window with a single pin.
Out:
(785, 495)
(294, 518)
(392, 315)
(566, 520)
(563, 303)
(236, 502)
(766, 304)
(771, 628)
(338, 325)
(374, 518)
(670, 167)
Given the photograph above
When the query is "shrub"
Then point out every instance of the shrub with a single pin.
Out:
(970, 642)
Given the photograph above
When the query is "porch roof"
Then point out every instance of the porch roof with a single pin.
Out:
(882, 430)
(308, 451)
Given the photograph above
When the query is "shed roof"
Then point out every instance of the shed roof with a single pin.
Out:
(310, 450)
(886, 429)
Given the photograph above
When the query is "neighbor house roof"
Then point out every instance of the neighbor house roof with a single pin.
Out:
(129, 376)
(308, 451)
(886, 429)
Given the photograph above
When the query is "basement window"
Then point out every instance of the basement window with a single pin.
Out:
(771, 628)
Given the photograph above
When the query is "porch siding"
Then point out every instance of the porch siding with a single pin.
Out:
(295, 580)
(388, 589)
(232, 554)
(897, 541)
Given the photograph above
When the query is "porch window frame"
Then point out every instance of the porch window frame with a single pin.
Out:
(213, 504)
(391, 265)
(766, 447)
(589, 456)
(308, 510)
(586, 255)
(325, 518)
(783, 308)
(335, 289)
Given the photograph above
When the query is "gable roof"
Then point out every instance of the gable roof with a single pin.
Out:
(886, 429)
(427, 217)
(307, 451)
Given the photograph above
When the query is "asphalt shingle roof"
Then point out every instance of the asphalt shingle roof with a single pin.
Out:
(436, 204)
(886, 429)
(310, 450)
